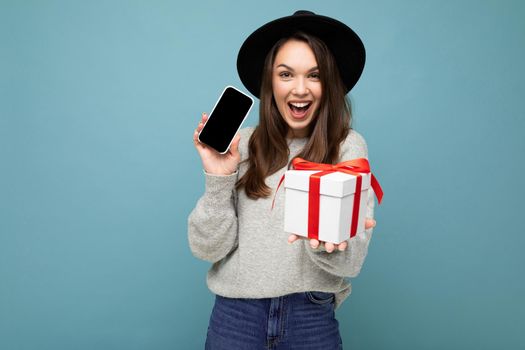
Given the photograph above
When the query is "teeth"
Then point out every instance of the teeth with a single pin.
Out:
(299, 105)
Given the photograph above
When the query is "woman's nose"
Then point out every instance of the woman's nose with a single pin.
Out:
(300, 87)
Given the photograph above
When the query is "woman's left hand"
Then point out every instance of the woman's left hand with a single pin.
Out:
(330, 247)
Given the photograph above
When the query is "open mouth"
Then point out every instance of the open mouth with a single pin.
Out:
(299, 110)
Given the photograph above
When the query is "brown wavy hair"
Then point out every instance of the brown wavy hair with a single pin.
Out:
(268, 150)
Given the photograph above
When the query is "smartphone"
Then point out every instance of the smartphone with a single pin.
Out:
(226, 118)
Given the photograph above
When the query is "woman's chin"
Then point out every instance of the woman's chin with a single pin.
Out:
(298, 129)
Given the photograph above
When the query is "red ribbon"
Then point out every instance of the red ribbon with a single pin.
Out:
(354, 167)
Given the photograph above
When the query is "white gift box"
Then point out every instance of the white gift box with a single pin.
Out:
(336, 204)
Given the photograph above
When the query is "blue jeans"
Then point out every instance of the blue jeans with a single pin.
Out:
(294, 321)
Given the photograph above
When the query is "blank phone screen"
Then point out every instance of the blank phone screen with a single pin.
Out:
(225, 119)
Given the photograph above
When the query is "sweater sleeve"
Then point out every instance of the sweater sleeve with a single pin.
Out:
(212, 225)
(347, 263)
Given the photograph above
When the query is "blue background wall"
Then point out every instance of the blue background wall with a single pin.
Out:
(98, 172)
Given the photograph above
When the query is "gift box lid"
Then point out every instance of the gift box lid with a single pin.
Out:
(337, 184)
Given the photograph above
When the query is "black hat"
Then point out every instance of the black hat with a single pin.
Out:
(343, 42)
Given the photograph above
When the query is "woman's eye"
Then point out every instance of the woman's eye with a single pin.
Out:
(315, 75)
(284, 75)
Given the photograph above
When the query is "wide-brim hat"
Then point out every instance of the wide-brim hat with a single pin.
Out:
(343, 42)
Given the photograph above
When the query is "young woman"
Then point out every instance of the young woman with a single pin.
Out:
(275, 291)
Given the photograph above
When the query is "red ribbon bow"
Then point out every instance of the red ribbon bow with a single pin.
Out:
(354, 167)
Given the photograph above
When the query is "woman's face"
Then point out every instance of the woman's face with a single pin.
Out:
(296, 86)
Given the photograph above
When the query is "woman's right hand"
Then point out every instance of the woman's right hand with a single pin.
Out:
(213, 162)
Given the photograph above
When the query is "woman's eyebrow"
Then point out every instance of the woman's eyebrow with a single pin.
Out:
(290, 68)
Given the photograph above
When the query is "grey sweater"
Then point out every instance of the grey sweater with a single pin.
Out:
(245, 240)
